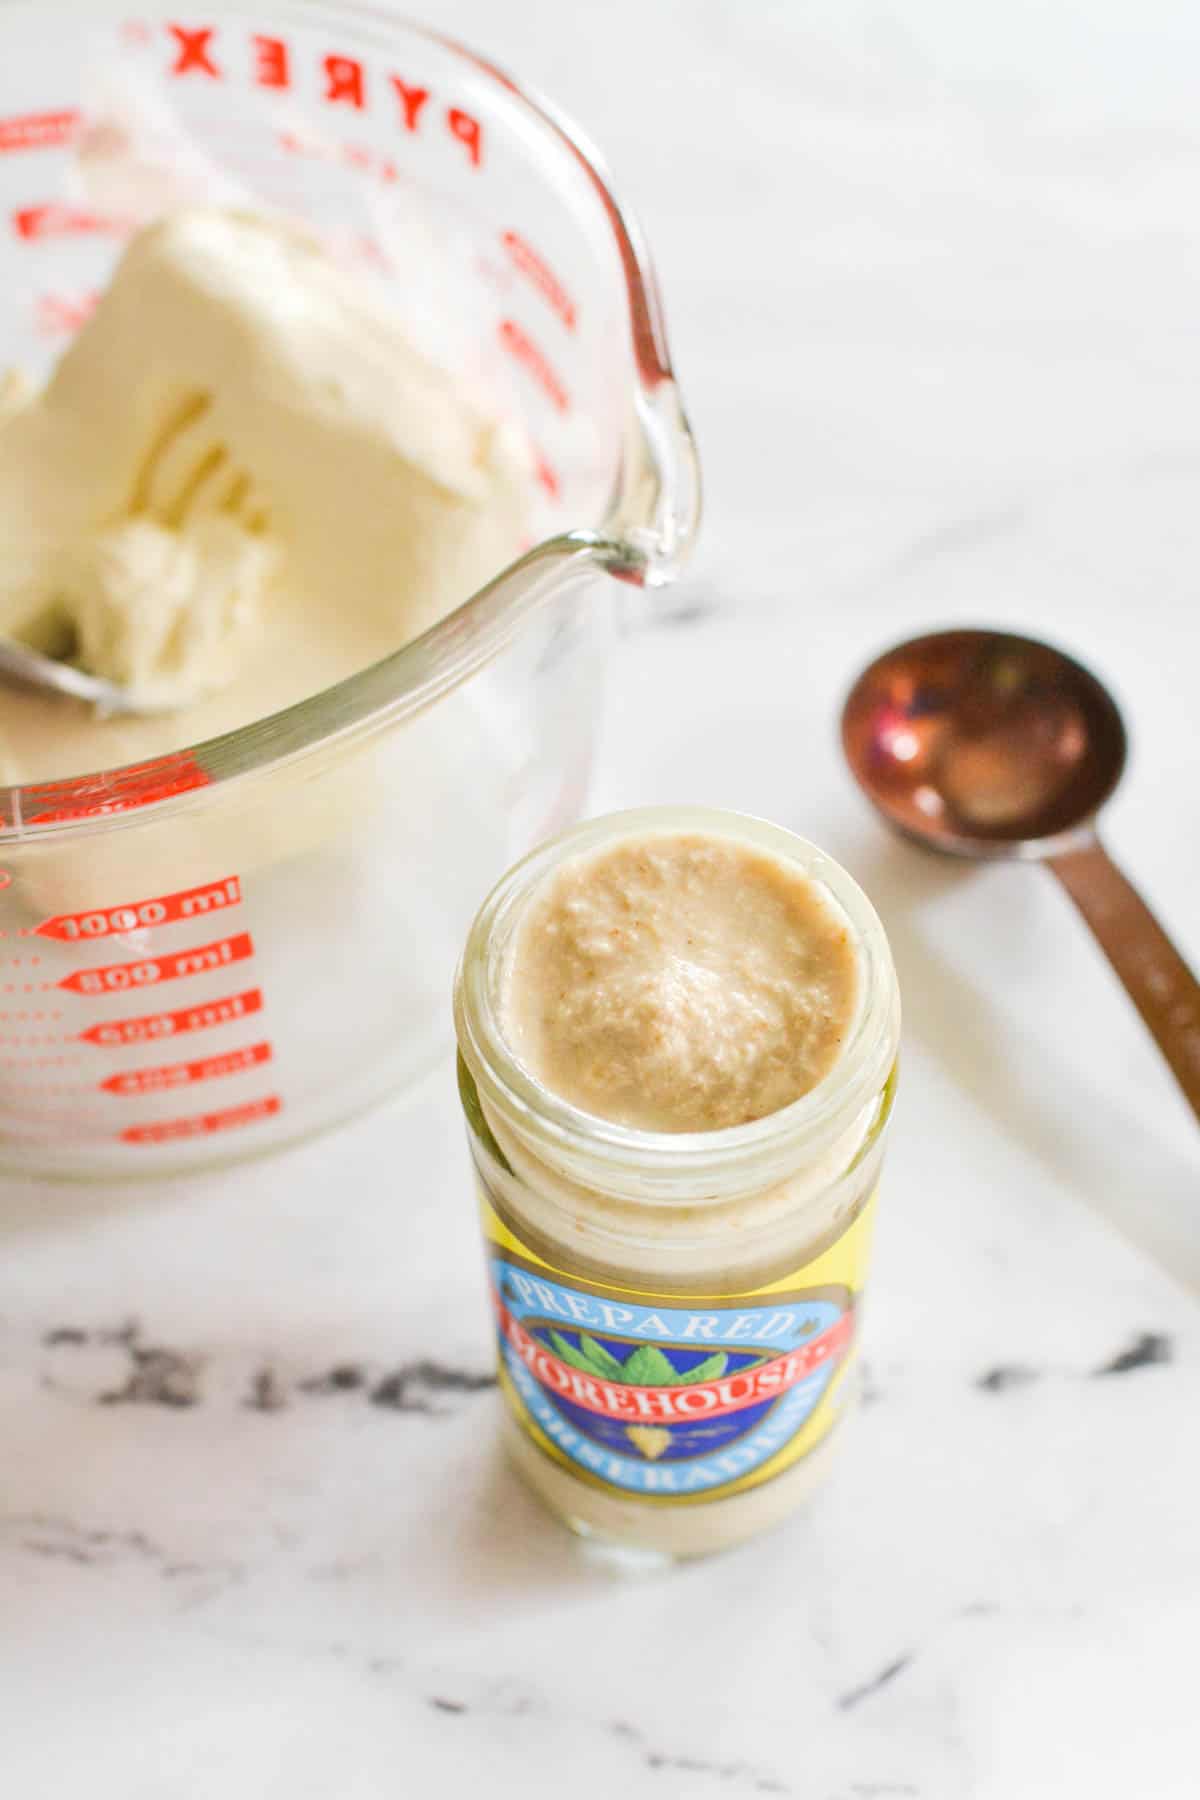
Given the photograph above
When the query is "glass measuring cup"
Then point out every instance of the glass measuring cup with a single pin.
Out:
(210, 953)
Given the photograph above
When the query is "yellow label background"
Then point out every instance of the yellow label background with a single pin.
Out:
(843, 1264)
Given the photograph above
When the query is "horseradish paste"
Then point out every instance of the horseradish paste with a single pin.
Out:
(680, 983)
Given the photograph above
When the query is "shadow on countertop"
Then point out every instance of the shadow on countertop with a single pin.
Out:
(1140, 1185)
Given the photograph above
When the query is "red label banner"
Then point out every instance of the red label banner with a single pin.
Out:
(690, 1400)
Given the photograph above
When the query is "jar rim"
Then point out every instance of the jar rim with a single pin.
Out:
(603, 1153)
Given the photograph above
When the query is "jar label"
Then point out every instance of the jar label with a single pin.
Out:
(680, 1398)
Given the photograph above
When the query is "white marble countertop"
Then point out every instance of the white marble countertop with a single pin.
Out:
(933, 275)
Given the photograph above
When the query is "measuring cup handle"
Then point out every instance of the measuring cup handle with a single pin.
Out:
(1156, 978)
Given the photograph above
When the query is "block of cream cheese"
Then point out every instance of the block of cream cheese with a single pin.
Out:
(241, 484)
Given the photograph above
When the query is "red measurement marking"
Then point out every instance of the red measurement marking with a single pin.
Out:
(526, 259)
(153, 1026)
(56, 802)
(548, 476)
(203, 1123)
(37, 131)
(173, 1075)
(61, 315)
(372, 251)
(141, 914)
(35, 223)
(54, 1128)
(54, 1090)
(118, 978)
(354, 156)
(520, 345)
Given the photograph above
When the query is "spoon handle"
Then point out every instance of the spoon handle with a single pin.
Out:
(1156, 978)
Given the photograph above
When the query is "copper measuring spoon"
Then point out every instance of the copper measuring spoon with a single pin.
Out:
(980, 744)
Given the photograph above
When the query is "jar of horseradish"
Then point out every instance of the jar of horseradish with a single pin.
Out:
(678, 1032)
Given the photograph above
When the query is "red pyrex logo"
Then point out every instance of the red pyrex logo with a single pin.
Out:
(207, 52)
(675, 1405)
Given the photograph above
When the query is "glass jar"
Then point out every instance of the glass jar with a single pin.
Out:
(677, 1313)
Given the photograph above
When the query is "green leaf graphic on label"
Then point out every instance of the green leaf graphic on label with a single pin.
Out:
(711, 1369)
(569, 1354)
(648, 1367)
(644, 1367)
(600, 1358)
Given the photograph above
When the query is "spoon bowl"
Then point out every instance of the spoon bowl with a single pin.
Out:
(983, 744)
(979, 743)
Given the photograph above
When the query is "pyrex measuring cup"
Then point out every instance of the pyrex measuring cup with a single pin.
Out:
(209, 954)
